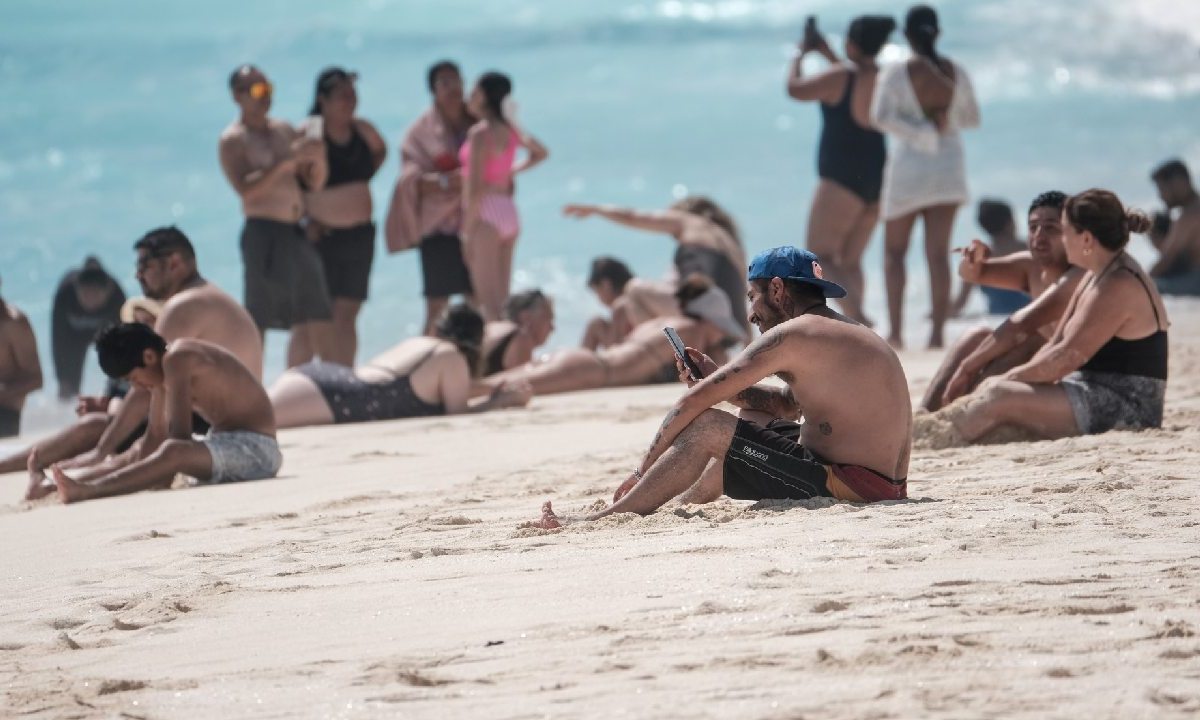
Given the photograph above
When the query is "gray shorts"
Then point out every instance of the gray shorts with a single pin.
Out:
(284, 277)
(241, 455)
(1114, 401)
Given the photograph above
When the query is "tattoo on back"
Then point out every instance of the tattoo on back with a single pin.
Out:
(825, 428)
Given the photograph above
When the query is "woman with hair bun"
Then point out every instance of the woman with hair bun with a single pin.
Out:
(922, 104)
(490, 222)
(1105, 367)
(851, 153)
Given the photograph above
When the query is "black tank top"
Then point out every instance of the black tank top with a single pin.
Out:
(495, 359)
(1145, 356)
(850, 154)
(349, 163)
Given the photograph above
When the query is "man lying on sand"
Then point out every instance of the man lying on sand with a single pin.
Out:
(1042, 272)
(240, 444)
(844, 379)
(642, 358)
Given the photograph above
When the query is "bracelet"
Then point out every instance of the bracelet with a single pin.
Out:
(637, 473)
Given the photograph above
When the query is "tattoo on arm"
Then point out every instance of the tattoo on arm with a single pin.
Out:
(756, 398)
(674, 413)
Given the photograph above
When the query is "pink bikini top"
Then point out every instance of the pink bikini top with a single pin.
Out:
(497, 170)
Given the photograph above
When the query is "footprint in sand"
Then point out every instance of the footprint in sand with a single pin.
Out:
(829, 606)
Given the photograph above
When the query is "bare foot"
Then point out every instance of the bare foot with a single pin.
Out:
(548, 521)
(39, 486)
(624, 488)
(68, 490)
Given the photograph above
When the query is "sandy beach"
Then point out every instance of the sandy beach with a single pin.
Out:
(384, 574)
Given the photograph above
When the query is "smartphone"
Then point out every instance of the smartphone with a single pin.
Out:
(681, 353)
(810, 28)
(316, 128)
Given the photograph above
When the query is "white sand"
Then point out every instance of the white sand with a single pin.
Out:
(385, 575)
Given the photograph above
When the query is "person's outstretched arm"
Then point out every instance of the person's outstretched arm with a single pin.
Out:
(669, 222)
(824, 86)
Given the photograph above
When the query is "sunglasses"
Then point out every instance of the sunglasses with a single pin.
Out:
(259, 90)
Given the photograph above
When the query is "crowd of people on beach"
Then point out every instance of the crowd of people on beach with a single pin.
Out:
(1083, 348)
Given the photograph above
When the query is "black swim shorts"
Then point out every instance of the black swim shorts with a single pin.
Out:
(284, 280)
(769, 463)
(442, 266)
(347, 254)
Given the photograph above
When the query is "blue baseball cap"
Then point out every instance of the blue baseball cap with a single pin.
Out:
(792, 263)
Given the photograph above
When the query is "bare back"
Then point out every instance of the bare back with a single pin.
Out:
(436, 369)
(851, 390)
(932, 84)
(221, 389)
(208, 313)
(246, 152)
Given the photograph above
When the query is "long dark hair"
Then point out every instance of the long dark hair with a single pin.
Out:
(462, 325)
(495, 86)
(921, 28)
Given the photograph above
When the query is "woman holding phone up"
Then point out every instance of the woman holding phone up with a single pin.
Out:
(851, 153)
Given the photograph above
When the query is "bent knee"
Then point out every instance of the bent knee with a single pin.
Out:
(173, 449)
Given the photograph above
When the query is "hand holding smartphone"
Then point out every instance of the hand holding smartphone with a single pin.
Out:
(681, 353)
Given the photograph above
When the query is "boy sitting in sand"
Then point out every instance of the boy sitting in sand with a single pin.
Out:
(187, 374)
(844, 379)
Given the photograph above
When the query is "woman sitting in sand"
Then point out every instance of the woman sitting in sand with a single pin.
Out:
(420, 377)
(709, 243)
(509, 343)
(644, 356)
(1106, 365)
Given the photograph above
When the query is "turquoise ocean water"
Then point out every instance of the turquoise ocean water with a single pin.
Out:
(111, 113)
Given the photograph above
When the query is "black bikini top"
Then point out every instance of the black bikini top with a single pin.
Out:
(1145, 356)
(349, 163)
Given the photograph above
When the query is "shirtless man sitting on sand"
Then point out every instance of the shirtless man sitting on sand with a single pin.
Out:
(844, 379)
(1042, 272)
(642, 358)
(240, 444)
(194, 308)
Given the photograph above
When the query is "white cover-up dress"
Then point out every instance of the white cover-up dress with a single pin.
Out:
(924, 167)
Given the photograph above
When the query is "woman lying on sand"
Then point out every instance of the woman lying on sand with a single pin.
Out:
(1106, 365)
(644, 356)
(509, 343)
(419, 377)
